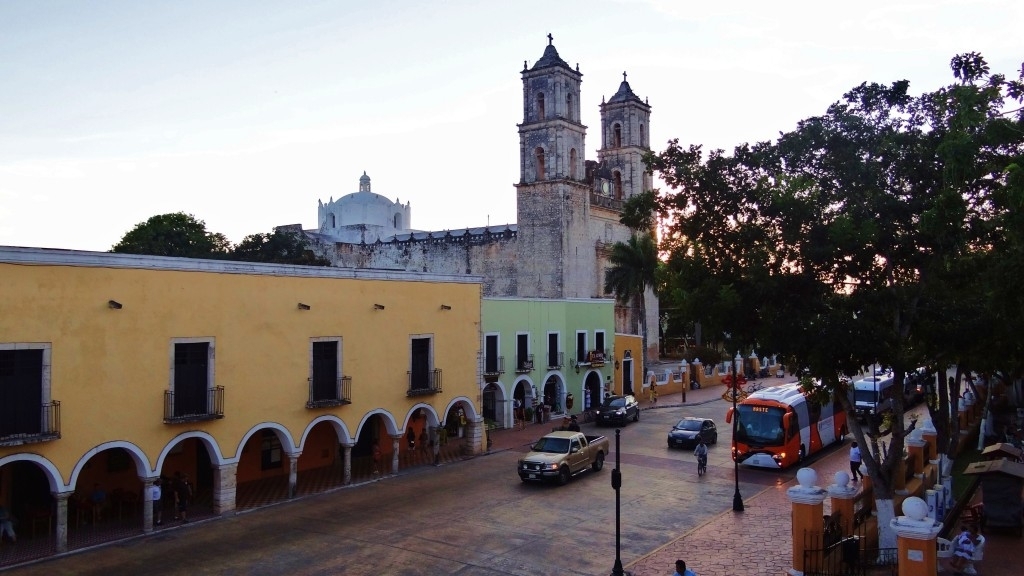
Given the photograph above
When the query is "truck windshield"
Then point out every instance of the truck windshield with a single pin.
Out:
(760, 425)
(553, 445)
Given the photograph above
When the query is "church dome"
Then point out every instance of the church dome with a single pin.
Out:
(625, 93)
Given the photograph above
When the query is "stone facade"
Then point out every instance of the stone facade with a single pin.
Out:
(568, 208)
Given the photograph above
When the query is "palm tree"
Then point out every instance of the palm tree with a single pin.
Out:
(631, 274)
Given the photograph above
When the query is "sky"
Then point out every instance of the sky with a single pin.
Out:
(247, 113)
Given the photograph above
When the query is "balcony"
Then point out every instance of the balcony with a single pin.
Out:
(605, 202)
(48, 428)
(327, 393)
(555, 360)
(193, 407)
(424, 382)
(494, 367)
(524, 364)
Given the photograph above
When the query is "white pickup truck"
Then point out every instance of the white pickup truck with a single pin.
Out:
(561, 455)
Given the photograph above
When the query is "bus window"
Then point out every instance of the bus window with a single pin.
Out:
(794, 425)
(759, 424)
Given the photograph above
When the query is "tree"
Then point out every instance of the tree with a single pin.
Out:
(631, 274)
(176, 234)
(842, 242)
(280, 247)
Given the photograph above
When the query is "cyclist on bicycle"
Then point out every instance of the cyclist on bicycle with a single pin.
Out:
(701, 452)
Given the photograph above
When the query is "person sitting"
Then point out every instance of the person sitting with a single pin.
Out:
(573, 424)
(7, 525)
(963, 549)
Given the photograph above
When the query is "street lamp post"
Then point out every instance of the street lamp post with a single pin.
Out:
(737, 500)
(616, 484)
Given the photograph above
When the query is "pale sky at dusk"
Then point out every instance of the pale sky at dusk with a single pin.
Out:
(245, 113)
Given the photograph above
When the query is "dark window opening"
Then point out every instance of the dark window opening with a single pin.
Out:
(21, 391)
(420, 377)
(325, 370)
(191, 378)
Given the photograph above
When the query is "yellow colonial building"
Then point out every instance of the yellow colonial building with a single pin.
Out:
(255, 381)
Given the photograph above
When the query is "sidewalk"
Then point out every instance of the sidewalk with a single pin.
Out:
(763, 530)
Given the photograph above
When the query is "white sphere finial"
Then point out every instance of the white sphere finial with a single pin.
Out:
(915, 508)
(842, 478)
(807, 477)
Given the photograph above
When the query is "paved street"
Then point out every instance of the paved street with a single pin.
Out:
(474, 517)
(468, 517)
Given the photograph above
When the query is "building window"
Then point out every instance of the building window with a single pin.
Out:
(581, 347)
(554, 356)
(524, 361)
(420, 371)
(618, 185)
(538, 155)
(599, 341)
(617, 136)
(568, 107)
(330, 221)
(491, 358)
(573, 174)
(643, 136)
(325, 370)
(540, 106)
(24, 389)
(192, 375)
(397, 221)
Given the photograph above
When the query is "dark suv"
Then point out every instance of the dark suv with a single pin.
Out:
(618, 409)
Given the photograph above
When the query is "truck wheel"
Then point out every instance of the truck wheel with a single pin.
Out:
(598, 462)
(563, 476)
(637, 417)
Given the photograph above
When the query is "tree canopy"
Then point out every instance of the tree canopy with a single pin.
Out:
(183, 235)
(864, 235)
(176, 234)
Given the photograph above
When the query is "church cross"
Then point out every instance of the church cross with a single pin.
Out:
(623, 76)
(550, 39)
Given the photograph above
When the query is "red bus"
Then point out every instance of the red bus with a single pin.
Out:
(778, 427)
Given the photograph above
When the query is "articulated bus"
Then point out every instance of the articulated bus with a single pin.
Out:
(778, 427)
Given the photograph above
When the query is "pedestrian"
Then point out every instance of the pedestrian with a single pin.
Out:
(654, 393)
(156, 494)
(376, 459)
(517, 414)
(182, 496)
(574, 425)
(7, 525)
(435, 443)
(855, 461)
(410, 438)
(586, 399)
(681, 569)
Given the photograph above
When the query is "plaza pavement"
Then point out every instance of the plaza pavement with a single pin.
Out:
(758, 540)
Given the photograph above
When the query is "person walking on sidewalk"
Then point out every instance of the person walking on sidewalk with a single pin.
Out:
(681, 569)
(855, 461)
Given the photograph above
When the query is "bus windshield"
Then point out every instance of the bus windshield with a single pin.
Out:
(761, 425)
(864, 396)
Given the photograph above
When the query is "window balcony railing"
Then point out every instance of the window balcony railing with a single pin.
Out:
(423, 382)
(524, 364)
(48, 428)
(326, 393)
(189, 407)
(494, 367)
(555, 360)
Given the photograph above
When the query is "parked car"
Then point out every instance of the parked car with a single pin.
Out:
(618, 409)
(686, 432)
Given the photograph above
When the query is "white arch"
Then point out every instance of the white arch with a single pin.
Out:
(211, 447)
(142, 467)
(337, 424)
(432, 418)
(283, 434)
(389, 421)
(471, 413)
(53, 476)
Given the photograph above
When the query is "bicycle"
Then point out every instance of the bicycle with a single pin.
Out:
(702, 465)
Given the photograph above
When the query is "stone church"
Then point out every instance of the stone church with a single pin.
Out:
(568, 208)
